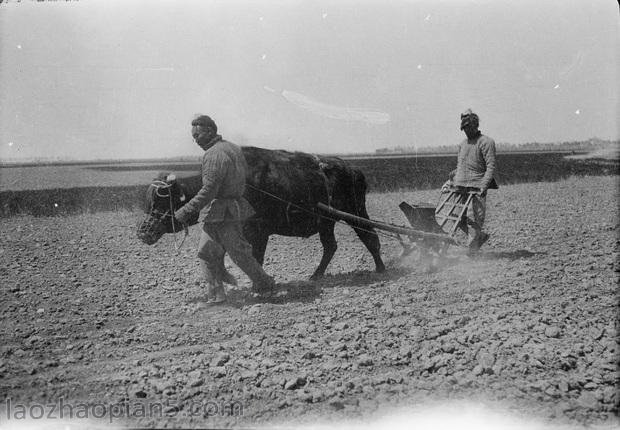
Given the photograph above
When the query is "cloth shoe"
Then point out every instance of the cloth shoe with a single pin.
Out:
(215, 294)
(228, 278)
(482, 239)
(216, 301)
(264, 289)
(475, 246)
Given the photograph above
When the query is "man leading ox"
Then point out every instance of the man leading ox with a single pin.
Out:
(221, 203)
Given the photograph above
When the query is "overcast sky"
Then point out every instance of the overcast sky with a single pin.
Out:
(109, 79)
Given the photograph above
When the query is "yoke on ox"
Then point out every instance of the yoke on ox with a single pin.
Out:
(285, 189)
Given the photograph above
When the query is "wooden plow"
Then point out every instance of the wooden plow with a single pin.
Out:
(422, 233)
(432, 228)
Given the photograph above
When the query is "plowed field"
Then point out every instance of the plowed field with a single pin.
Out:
(90, 316)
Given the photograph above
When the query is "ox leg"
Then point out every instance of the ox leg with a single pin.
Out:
(259, 245)
(258, 239)
(370, 239)
(328, 240)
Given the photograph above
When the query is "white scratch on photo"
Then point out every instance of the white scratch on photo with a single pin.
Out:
(332, 111)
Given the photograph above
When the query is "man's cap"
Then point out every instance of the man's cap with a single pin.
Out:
(469, 117)
(204, 121)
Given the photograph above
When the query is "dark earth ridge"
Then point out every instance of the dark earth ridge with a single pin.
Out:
(382, 175)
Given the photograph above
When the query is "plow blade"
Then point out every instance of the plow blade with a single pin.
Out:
(421, 217)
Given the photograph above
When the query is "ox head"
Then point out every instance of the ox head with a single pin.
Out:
(163, 197)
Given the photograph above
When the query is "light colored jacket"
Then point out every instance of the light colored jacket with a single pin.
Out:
(223, 183)
(476, 163)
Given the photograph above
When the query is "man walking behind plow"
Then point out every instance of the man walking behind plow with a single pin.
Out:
(224, 208)
(473, 174)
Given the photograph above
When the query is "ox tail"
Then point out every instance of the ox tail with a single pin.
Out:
(359, 193)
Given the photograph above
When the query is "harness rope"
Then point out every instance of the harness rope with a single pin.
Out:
(158, 185)
(315, 213)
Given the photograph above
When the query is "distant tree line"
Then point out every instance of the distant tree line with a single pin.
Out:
(577, 146)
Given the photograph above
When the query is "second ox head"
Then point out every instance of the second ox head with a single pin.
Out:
(163, 197)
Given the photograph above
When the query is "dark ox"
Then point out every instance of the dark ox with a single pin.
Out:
(284, 189)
